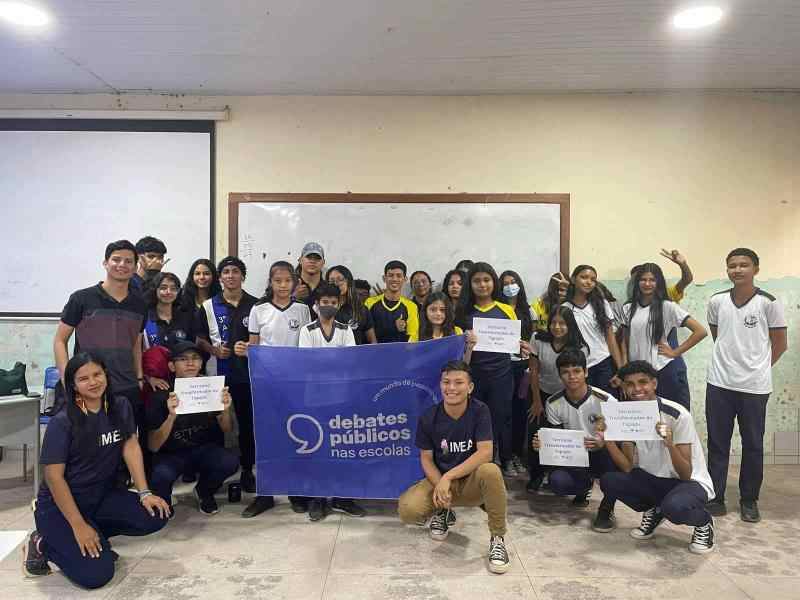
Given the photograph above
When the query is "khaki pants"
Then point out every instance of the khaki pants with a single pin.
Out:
(484, 485)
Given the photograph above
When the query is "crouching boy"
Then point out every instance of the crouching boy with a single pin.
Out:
(189, 442)
(455, 439)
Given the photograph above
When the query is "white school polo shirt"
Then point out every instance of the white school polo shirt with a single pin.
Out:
(594, 338)
(549, 381)
(742, 356)
(577, 415)
(654, 457)
(277, 326)
(312, 336)
(640, 344)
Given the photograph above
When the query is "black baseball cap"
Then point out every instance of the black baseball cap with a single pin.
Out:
(183, 348)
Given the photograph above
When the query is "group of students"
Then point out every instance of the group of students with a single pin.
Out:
(141, 328)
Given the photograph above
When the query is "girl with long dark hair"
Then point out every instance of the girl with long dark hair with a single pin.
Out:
(351, 310)
(595, 319)
(167, 323)
(276, 320)
(555, 294)
(79, 506)
(202, 283)
(452, 284)
(421, 286)
(491, 371)
(515, 296)
(437, 320)
(649, 317)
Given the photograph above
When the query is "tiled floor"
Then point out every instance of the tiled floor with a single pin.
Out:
(554, 554)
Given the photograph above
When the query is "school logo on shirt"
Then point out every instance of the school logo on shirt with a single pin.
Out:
(444, 447)
(109, 438)
(294, 324)
(750, 321)
(246, 321)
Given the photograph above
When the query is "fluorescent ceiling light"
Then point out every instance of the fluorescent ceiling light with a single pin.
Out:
(697, 17)
(26, 15)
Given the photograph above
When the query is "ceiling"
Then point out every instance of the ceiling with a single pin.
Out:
(227, 47)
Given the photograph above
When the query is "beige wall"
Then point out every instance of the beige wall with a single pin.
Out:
(702, 172)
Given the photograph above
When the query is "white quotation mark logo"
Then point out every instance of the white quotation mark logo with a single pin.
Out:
(304, 444)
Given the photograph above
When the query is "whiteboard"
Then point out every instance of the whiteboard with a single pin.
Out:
(524, 237)
(67, 194)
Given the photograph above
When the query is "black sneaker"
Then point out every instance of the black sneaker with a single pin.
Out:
(717, 507)
(248, 481)
(114, 556)
(749, 511)
(316, 509)
(299, 504)
(509, 470)
(605, 520)
(206, 504)
(498, 555)
(582, 500)
(451, 517)
(703, 538)
(439, 525)
(258, 506)
(348, 507)
(650, 520)
(534, 485)
(34, 563)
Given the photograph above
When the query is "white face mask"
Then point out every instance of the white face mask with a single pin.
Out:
(510, 290)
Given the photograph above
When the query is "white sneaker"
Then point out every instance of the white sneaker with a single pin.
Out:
(498, 555)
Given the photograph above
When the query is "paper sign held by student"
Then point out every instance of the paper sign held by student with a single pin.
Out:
(199, 394)
(497, 335)
(563, 448)
(629, 421)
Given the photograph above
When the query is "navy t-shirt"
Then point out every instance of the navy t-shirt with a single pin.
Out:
(454, 440)
(87, 465)
(489, 364)
(188, 431)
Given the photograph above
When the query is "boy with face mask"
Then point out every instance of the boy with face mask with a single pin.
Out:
(326, 332)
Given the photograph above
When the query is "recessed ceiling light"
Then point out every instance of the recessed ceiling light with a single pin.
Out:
(697, 17)
(23, 14)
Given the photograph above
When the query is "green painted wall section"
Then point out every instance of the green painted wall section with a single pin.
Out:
(31, 342)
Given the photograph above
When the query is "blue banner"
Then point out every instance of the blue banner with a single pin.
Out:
(342, 421)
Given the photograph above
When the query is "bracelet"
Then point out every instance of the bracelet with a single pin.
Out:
(144, 494)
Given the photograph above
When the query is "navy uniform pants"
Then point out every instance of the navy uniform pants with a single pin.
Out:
(109, 512)
(681, 502)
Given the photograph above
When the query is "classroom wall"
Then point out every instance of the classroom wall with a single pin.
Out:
(699, 172)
